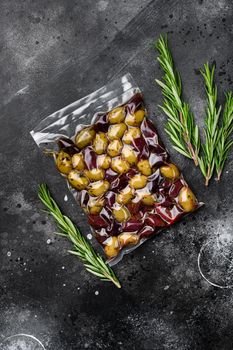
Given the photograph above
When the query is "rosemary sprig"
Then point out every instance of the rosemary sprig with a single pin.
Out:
(207, 161)
(224, 142)
(180, 126)
(92, 261)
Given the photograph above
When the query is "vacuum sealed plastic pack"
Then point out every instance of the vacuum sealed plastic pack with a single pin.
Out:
(110, 154)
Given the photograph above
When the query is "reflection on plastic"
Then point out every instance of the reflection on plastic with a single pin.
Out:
(22, 342)
(215, 261)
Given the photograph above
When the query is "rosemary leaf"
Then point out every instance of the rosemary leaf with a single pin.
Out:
(93, 262)
(225, 140)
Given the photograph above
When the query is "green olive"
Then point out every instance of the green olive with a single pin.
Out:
(117, 115)
(139, 116)
(130, 120)
(95, 205)
(131, 134)
(148, 199)
(120, 165)
(187, 199)
(144, 167)
(103, 161)
(121, 213)
(127, 238)
(100, 143)
(95, 209)
(94, 174)
(135, 118)
(138, 181)
(63, 162)
(77, 181)
(125, 195)
(116, 131)
(170, 171)
(98, 188)
(78, 161)
(129, 154)
(85, 137)
(111, 247)
(114, 148)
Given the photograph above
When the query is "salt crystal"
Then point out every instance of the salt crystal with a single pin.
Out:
(66, 198)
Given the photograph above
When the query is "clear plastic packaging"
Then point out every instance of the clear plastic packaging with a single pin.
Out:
(116, 166)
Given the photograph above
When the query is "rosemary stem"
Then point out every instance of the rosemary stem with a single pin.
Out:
(193, 153)
(219, 174)
(116, 282)
(208, 176)
(188, 141)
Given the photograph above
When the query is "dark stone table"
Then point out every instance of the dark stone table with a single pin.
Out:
(52, 53)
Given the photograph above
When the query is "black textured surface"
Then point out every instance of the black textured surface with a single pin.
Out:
(52, 53)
